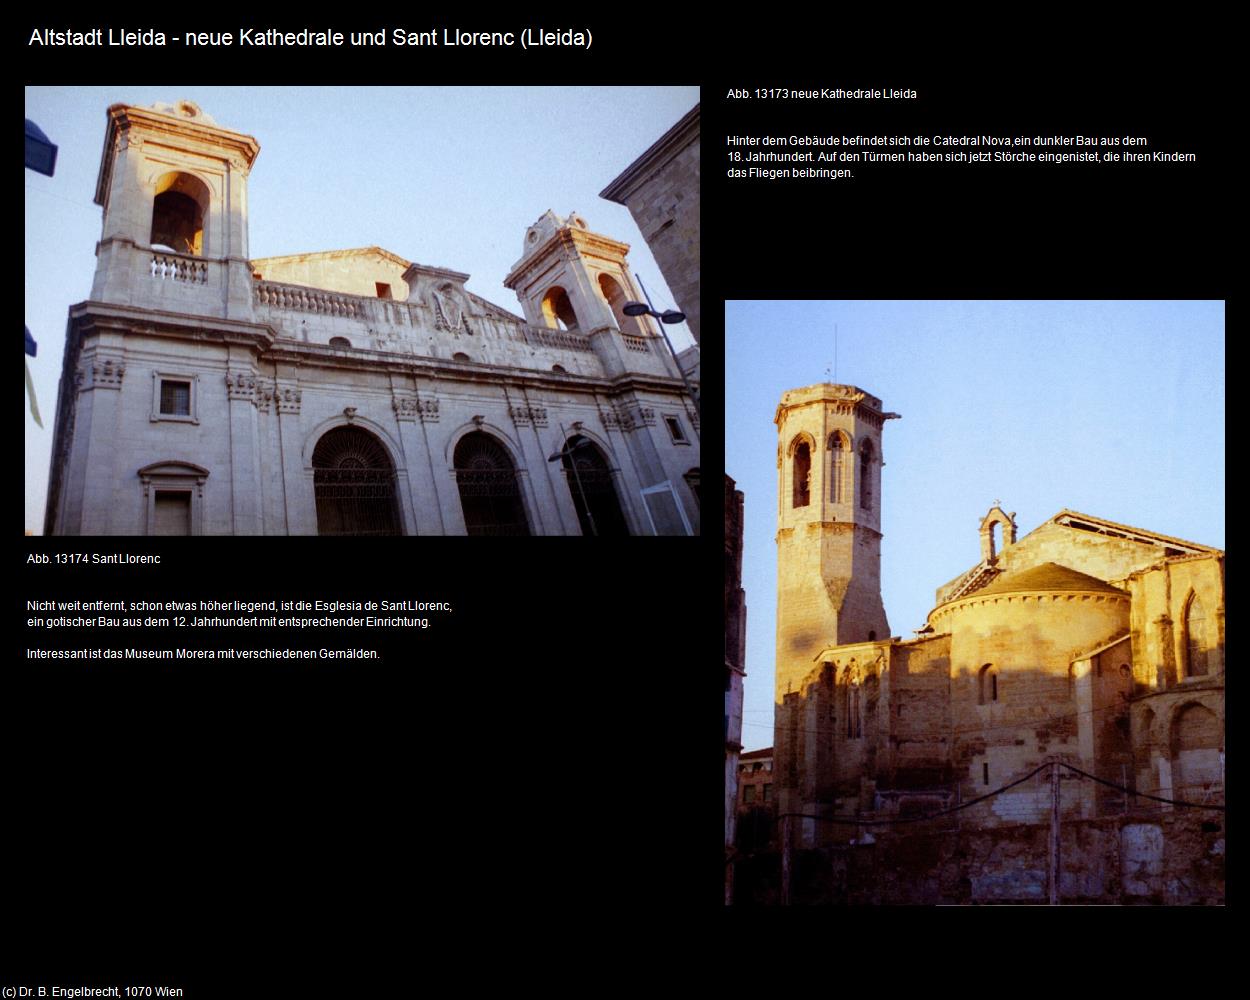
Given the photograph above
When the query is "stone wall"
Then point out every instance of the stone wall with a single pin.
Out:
(1136, 859)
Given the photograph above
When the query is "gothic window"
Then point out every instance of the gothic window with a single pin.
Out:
(1195, 639)
(489, 494)
(592, 489)
(851, 699)
(802, 463)
(839, 452)
(987, 685)
(354, 482)
(865, 476)
(179, 208)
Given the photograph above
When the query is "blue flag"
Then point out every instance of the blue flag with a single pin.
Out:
(31, 346)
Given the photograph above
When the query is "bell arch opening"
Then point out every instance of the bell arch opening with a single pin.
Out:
(490, 496)
(558, 310)
(616, 299)
(354, 480)
(179, 209)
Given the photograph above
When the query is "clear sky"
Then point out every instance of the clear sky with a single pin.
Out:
(440, 176)
(1114, 409)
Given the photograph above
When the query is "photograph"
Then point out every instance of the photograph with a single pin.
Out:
(364, 311)
(975, 602)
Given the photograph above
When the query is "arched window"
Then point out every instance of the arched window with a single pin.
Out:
(340, 342)
(178, 212)
(1195, 639)
(489, 494)
(592, 489)
(839, 461)
(802, 471)
(865, 476)
(558, 310)
(354, 481)
(987, 685)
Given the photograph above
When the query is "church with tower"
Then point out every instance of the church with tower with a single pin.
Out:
(1088, 642)
(352, 391)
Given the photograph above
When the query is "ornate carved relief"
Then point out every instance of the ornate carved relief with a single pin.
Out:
(405, 407)
(101, 373)
(265, 393)
(523, 416)
(288, 397)
(629, 417)
(241, 385)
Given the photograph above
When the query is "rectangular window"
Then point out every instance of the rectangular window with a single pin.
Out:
(674, 429)
(985, 773)
(748, 793)
(175, 398)
(768, 792)
(384, 290)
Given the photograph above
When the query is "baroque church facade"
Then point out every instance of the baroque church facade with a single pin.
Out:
(350, 392)
(1088, 642)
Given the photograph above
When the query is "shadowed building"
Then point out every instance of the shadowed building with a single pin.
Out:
(1086, 641)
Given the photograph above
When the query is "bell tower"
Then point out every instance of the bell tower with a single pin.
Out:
(829, 459)
(571, 279)
(173, 186)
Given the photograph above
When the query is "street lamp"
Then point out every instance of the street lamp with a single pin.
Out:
(666, 317)
(568, 450)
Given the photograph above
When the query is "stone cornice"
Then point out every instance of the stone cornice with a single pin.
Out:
(847, 399)
(1038, 597)
(104, 316)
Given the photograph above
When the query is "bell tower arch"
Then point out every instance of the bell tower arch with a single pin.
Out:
(571, 279)
(173, 186)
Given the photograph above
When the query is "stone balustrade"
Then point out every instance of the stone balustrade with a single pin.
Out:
(179, 267)
(541, 336)
(314, 300)
(638, 344)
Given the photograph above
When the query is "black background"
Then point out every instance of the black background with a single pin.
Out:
(180, 817)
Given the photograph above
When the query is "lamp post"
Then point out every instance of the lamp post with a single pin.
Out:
(567, 450)
(668, 316)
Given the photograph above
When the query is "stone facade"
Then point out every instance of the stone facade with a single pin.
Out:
(349, 391)
(661, 191)
(1086, 642)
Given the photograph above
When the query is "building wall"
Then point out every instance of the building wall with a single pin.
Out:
(350, 271)
(661, 189)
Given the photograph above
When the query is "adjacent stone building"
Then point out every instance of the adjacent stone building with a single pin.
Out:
(661, 190)
(1089, 642)
(349, 391)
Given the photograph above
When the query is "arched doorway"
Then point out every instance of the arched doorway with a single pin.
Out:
(355, 485)
(489, 494)
(590, 484)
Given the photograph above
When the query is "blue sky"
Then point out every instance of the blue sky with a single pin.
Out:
(1115, 409)
(441, 176)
